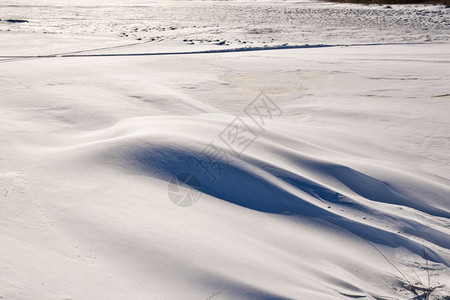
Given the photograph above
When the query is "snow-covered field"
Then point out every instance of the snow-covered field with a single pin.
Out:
(338, 192)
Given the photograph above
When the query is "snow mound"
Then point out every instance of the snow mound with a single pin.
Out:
(274, 178)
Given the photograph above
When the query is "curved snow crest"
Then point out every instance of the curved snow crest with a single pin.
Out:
(274, 178)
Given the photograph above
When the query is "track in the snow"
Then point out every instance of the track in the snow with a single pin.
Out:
(4, 59)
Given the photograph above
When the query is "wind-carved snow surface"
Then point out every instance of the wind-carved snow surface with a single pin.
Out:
(142, 169)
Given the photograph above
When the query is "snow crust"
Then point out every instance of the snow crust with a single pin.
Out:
(337, 196)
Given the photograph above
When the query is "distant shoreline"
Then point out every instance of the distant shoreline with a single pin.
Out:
(389, 2)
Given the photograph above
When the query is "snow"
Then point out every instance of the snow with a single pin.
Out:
(336, 195)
